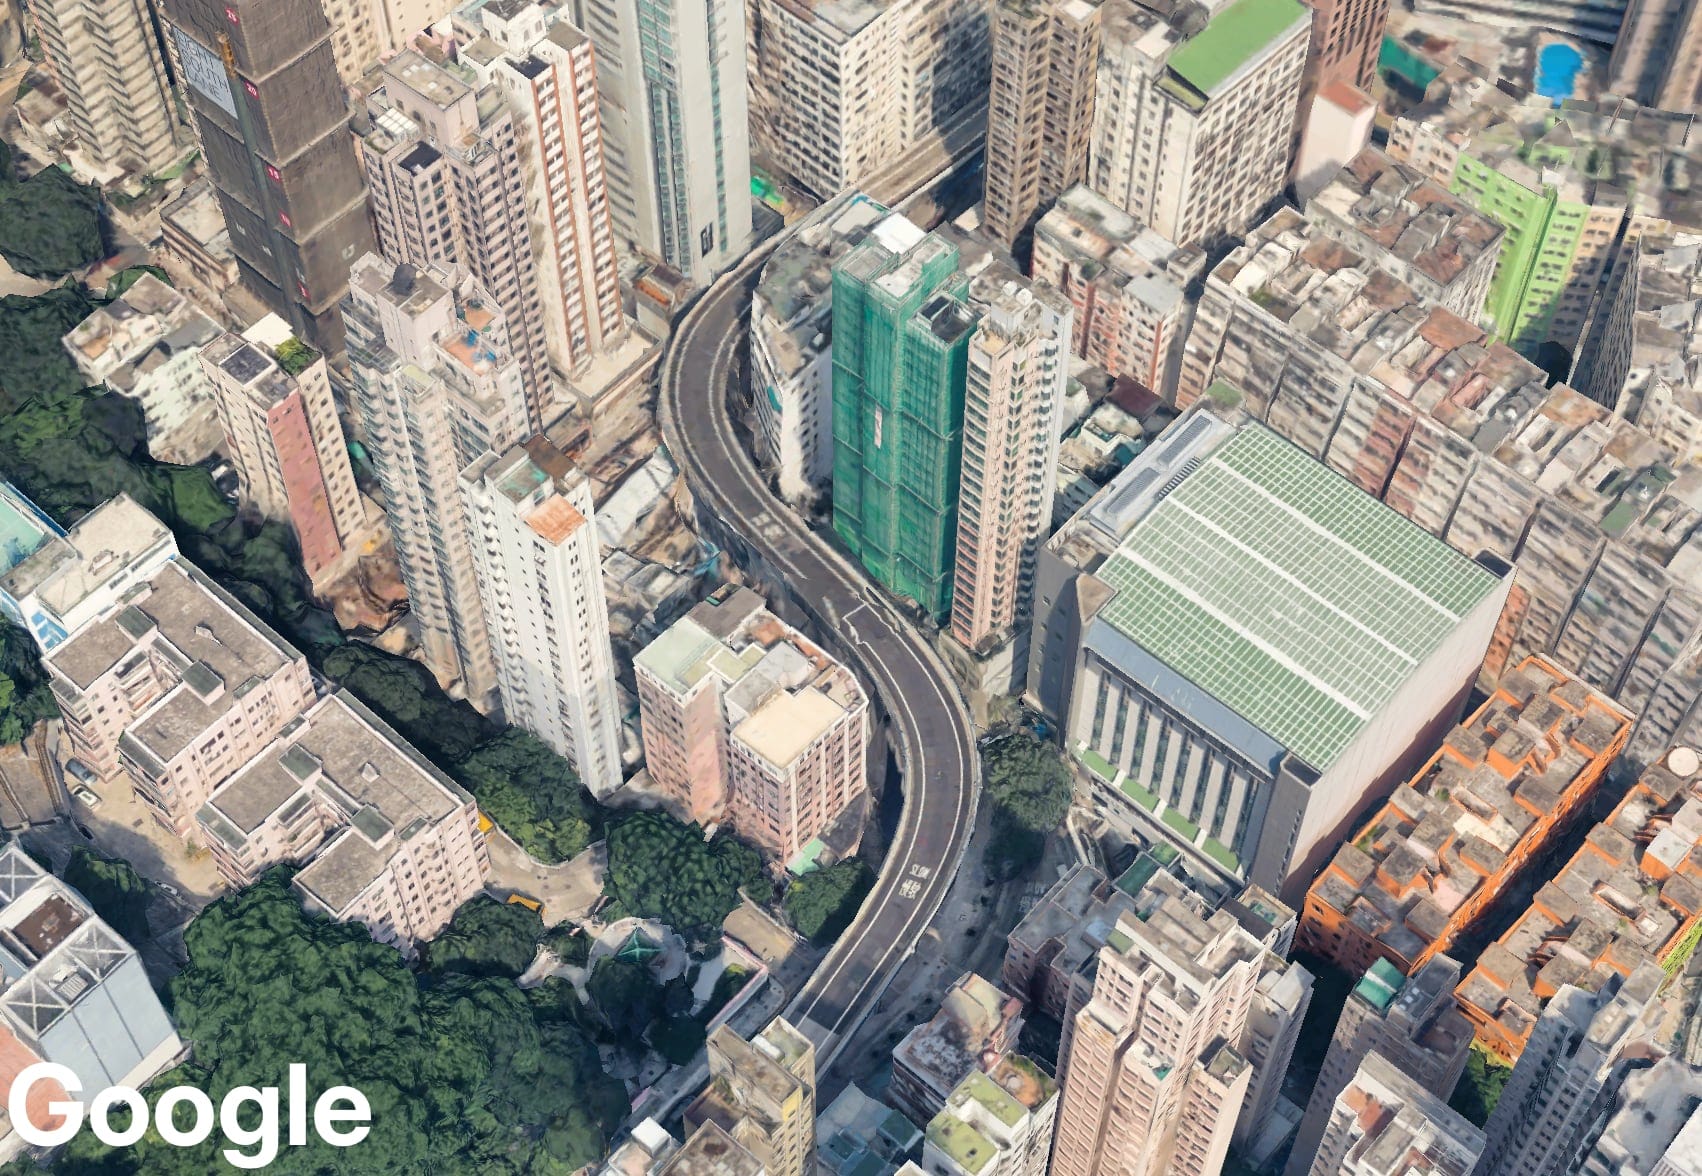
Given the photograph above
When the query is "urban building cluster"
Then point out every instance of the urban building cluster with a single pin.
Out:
(1291, 422)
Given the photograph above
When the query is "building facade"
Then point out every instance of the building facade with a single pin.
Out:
(1650, 62)
(1194, 132)
(77, 995)
(539, 570)
(1045, 62)
(1127, 284)
(762, 1093)
(106, 59)
(173, 689)
(900, 362)
(436, 384)
(1217, 756)
(1427, 865)
(676, 137)
(1016, 379)
(442, 164)
(280, 420)
(1411, 1023)
(382, 837)
(262, 82)
(995, 1124)
(840, 91)
(1385, 1124)
(1152, 1080)
(744, 719)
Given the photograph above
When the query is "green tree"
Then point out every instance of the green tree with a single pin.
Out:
(120, 282)
(32, 360)
(114, 889)
(822, 903)
(1028, 787)
(486, 938)
(625, 995)
(534, 794)
(461, 1074)
(406, 696)
(678, 1039)
(662, 869)
(570, 944)
(53, 224)
(25, 697)
(1479, 1087)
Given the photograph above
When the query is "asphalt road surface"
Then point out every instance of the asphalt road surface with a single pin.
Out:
(931, 729)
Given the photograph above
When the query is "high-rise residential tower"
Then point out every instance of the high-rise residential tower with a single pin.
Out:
(1039, 108)
(262, 83)
(437, 386)
(106, 59)
(1655, 59)
(1194, 126)
(442, 164)
(1411, 1022)
(1385, 1124)
(762, 1092)
(676, 139)
(900, 358)
(1017, 377)
(1346, 38)
(550, 83)
(280, 419)
(1153, 1082)
(541, 581)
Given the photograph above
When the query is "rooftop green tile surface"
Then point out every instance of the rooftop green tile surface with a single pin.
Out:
(1287, 593)
(1233, 38)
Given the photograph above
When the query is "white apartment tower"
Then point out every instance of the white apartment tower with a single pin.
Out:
(106, 59)
(1193, 130)
(540, 578)
(1019, 370)
(676, 138)
(443, 172)
(1385, 1124)
(1152, 1082)
(436, 385)
(551, 86)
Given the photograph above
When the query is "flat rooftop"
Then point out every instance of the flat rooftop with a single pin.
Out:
(1285, 592)
(1235, 38)
(1475, 812)
(101, 546)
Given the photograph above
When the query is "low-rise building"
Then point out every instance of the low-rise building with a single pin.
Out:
(762, 1094)
(712, 1151)
(1410, 1022)
(144, 345)
(745, 718)
(1448, 843)
(1385, 1124)
(196, 243)
(861, 1136)
(382, 836)
(997, 1123)
(76, 995)
(977, 1024)
(56, 581)
(1404, 222)
(1631, 895)
(642, 1153)
(1053, 949)
(1128, 285)
(176, 686)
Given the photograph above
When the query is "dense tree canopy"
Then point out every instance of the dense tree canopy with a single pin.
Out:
(114, 889)
(1029, 789)
(25, 698)
(662, 869)
(486, 938)
(534, 794)
(1479, 1088)
(32, 360)
(822, 904)
(625, 995)
(462, 1074)
(569, 943)
(53, 223)
(406, 696)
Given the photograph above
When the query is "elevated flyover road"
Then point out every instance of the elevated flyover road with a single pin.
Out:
(929, 727)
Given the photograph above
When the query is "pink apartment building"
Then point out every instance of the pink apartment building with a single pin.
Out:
(387, 839)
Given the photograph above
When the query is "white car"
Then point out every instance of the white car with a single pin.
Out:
(87, 795)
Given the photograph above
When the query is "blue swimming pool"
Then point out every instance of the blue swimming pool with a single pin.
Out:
(1557, 70)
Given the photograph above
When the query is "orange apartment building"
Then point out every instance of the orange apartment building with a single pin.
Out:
(1630, 895)
(1449, 841)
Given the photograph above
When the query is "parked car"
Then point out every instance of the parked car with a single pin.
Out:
(80, 772)
(87, 795)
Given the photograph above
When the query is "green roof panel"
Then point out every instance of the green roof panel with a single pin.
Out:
(1232, 39)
